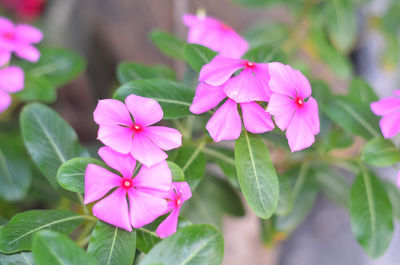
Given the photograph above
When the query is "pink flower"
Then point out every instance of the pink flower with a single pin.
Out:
(144, 142)
(225, 124)
(292, 107)
(215, 35)
(177, 195)
(389, 108)
(251, 84)
(19, 39)
(11, 81)
(143, 190)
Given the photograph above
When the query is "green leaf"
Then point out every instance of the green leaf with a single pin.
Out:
(51, 248)
(270, 33)
(176, 171)
(15, 178)
(394, 196)
(174, 98)
(71, 174)
(110, 245)
(23, 258)
(256, 3)
(129, 71)
(353, 116)
(37, 89)
(49, 139)
(265, 54)
(371, 214)
(168, 44)
(197, 55)
(380, 152)
(257, 175)
(193, 164)
(195, 244)
(359, 89)
(17, 234)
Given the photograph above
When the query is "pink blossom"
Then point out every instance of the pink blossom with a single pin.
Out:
(177, 195)
(19, 39)
(398, 179)
(389, 108)
(215, 35)
(292, 107)
(225, 123)
(11, 81)
(251, 84)
(144, 142)
(142, 190)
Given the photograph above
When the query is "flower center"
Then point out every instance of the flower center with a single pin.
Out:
(178, 201)
(249, 64)
(8, 35)
(299, 102)
(136, 128)
(127, 183)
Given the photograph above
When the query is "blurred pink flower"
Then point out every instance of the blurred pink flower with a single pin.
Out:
(225, 123)
(292, 107)
(24, 9)
(389, 108)
(215, 35)
(143, 190)
(19, 39)
(11, 81)
(398, 179)
(144, 142)
(251, 84)
(178, 194)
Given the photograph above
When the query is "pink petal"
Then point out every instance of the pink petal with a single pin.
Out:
(113, 209)
(98, 182)
(390, 124)
(385, 106)
(28, 34)
(233, 45)
(299, 133)
(255, 118)
(169, 225)
(157, 177)
(250, 85)
(112, 112)
(310, 110)
(117, 137)
(145, 111)
(398, 179)
(206, 98)
(6, 25)
(282, 108)
(396, 93)
(5, 101)
(285, 80)
(144, 207)
(5, 57)
(12, 79)
(225, 124)
(123, 163)
(183, 189)
(164, 137)
(145, 151)
(219, 70)
(27, 52)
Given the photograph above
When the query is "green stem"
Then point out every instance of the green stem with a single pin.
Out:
(84, 207)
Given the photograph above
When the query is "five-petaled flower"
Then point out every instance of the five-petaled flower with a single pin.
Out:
(144, 142)
(389, 108)
(144, 191)
(11, 81)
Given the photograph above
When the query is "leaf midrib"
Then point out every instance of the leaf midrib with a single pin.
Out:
(112, 245)
(198, 250)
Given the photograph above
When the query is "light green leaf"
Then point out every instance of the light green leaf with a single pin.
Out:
(37, 89)
(129, 71)
(380, 152)
(394, 196)
(359, 89)
(168, 44)
(23, 258)
(197, 55)
(176, 171)
(265, 54)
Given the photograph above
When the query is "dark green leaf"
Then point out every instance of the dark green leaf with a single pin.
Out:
(265, 54)
(257, 175)
(49, 139)
(110, 245)
(23, 258)
(380, 152)
(176, 171)
(168, 44)
(174, 98)
(129, 71)
(195, 244)
(371, 214)
(37, 89)
(17, 234)
(359, 89)
(193, 164)
(51, 248)
(197, 55)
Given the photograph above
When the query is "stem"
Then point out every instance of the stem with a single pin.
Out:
(85, 209)
(194, 155)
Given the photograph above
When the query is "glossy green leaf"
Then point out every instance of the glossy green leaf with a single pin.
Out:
(49, 139)
(129, 71)
(174, 98)
(52, 248)
(23, 258)
(71, 174)
(394, 196)
(176, 171)
(197, 55)
(257, 175)
(168, 44)
(265, 54)
(195, 245)
(15, 177)
(359, 89)
(193, 164)
(371, 214)
(110, 245)
(37, 89)
(17, 234)
(380, 152)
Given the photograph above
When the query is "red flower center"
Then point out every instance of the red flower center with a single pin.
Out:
(248, 64)
(136, 128)
(8, 35)
(127, 183)
(178, 201)
(299, 102)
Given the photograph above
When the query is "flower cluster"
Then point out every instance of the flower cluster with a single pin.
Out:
(16, 39)
(127, 131)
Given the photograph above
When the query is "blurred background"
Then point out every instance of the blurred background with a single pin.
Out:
(108, 32)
